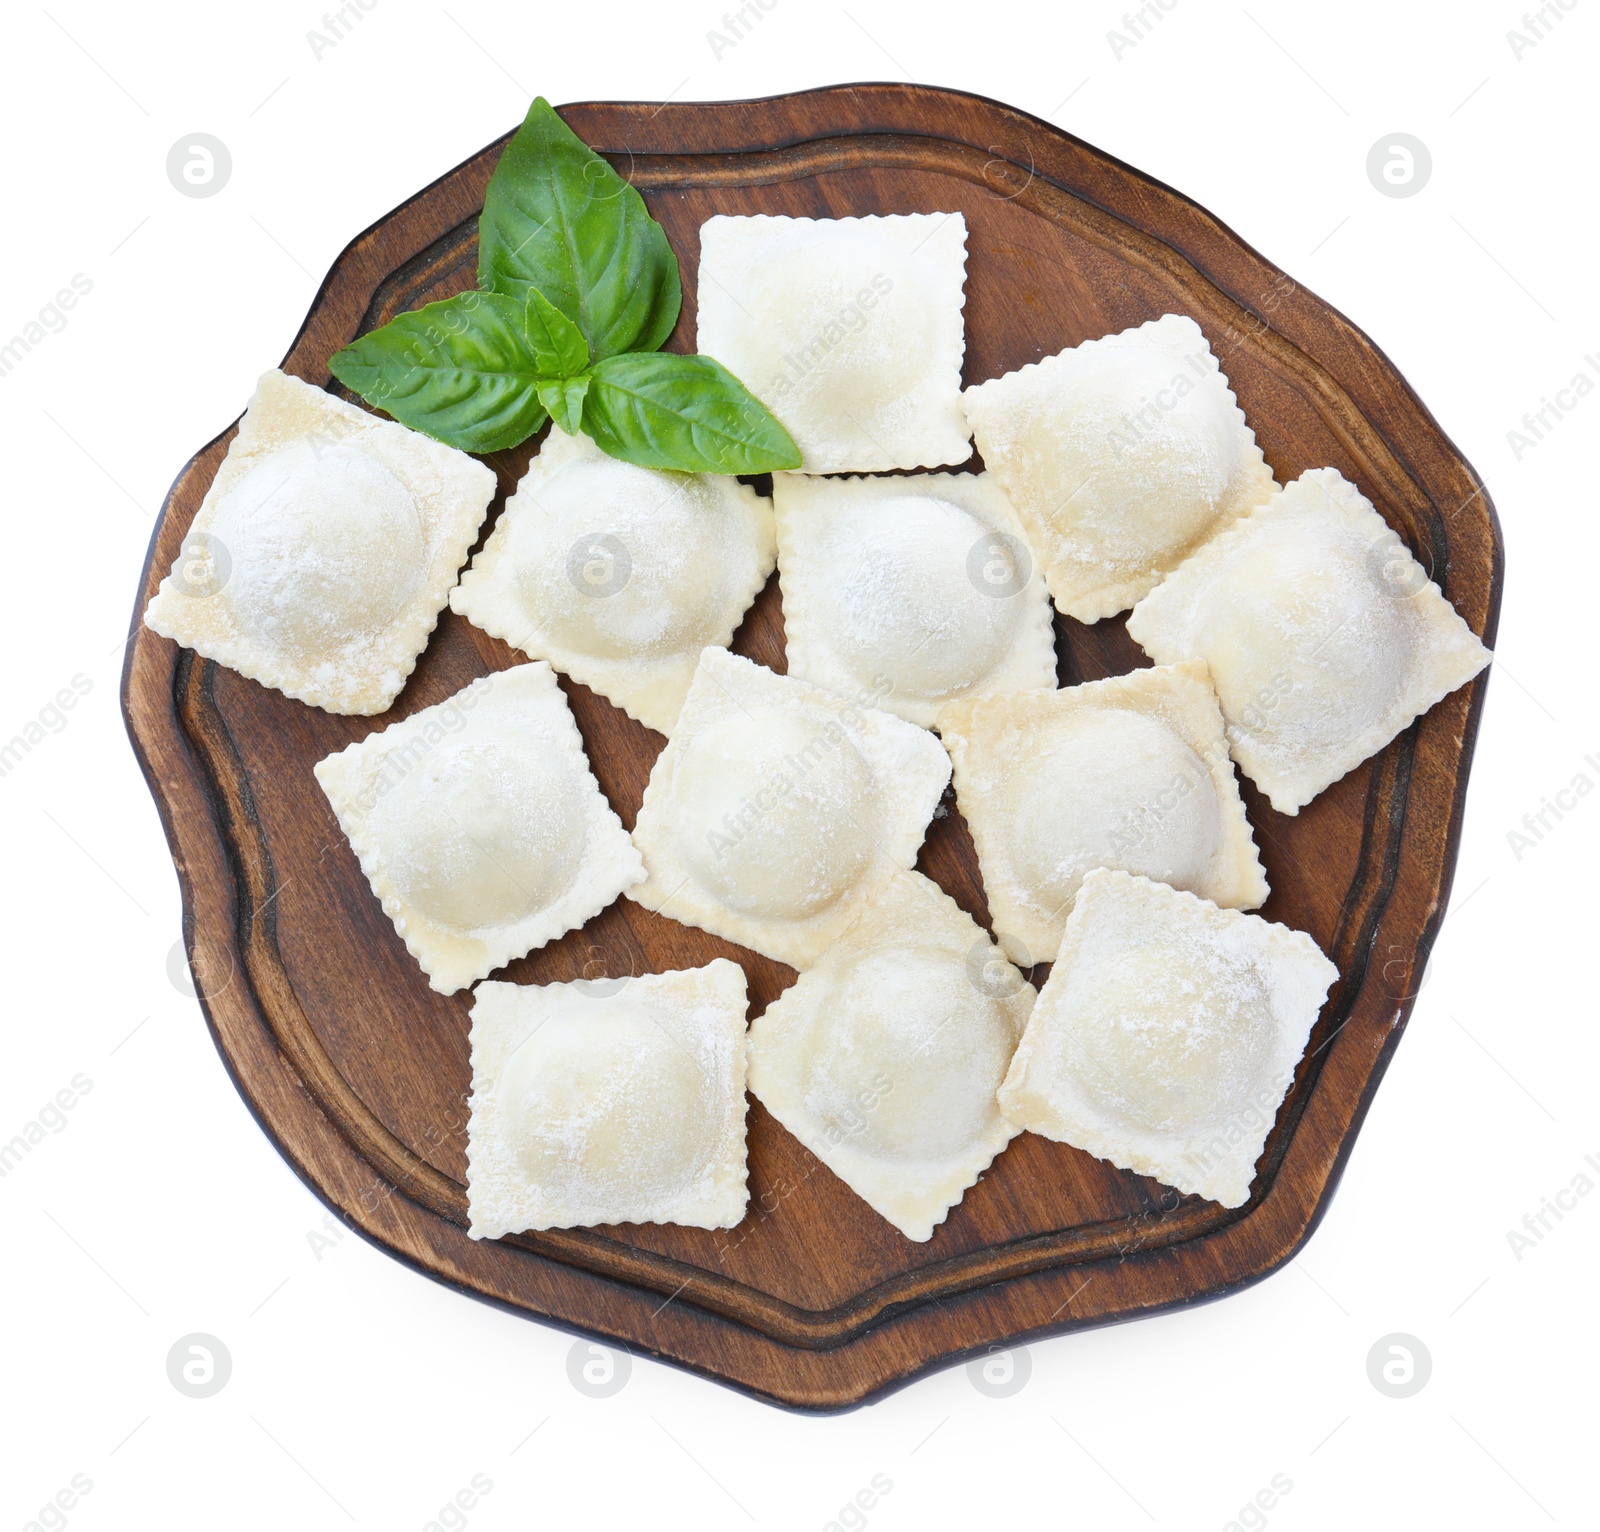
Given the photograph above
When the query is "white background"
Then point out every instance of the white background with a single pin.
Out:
(363, 1394)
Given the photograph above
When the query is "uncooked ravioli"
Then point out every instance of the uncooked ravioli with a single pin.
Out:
(1122, 456)
(1130, 772)
(778, 808)
(1325, 637)
(848, 329)
(324, 550)
(480, 826)
(617, 575)
(1167, 1034)
(597, 1105)
(884, 1058)
(915, 590)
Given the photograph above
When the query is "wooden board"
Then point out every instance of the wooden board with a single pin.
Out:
(358, 1071)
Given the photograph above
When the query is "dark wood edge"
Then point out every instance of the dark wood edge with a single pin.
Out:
(384, 229)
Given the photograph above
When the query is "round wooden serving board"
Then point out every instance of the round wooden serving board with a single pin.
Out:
(358, 1071)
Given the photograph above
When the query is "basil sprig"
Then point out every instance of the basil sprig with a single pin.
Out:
(578, 290)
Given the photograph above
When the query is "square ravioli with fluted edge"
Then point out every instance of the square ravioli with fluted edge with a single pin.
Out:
(479, 825)
(1130, 772)
(1167, 1034)
(924, 582)
(619, 575)
(599, 1102)
(1122, 456)
(324, 551)
(1324, 635)
(778, 808)
(884, 1057)
(850, 330)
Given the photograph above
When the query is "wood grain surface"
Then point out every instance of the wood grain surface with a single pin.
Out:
(359, 1072)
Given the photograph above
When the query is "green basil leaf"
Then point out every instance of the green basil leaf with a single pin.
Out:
(689, 413)
(563, 397)
(557, 217)
(559, 349)
(460, 371)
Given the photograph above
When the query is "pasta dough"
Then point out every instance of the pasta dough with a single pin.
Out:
(619, 575)
(778, 808)
(1122, 456)
(592, 1105)
(848, 329)
(324, 550)
(480, 826)
(1167, 1034)
(922, 582)
(884, 1058)
(1131, 772)
(1324, 636)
